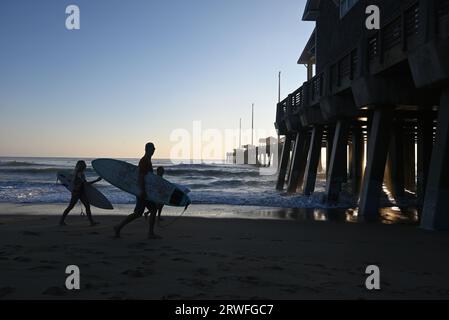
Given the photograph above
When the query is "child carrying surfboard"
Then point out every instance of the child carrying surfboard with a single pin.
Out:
(145, 166)
(160, 172)
(78, 193)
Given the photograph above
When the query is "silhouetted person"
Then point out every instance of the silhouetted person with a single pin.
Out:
(145, 166)
(78, 193)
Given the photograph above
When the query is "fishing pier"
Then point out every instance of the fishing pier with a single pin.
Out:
(377, 102)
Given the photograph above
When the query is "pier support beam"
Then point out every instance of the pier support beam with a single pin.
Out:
(329, 144)
(436, 203)
(379, 138)
(285, 158)
(338, 162)
(313, 160)
(299, 161)
(357, 157)
(395, 161)
(425, 146)
(409, 160)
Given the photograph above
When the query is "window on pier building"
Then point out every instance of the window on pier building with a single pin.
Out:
(346, 6)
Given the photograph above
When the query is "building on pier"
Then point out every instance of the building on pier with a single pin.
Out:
(377, 101)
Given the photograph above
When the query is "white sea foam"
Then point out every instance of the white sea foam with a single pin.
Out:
(30, 180)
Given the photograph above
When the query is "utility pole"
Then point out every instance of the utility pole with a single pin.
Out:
(252, 124)
(279, 101)
(240, 134)
(279, 87)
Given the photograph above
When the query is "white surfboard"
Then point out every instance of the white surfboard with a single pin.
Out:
(124, 176)
(95, 197)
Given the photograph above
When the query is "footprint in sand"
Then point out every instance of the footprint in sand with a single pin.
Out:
(54, 291)
(250, 279)
(22, 259)
(138, 245)
(42, 268)
(17, 247)
(90, 285)
(30, 233)
(48, 261)
(182, 260)
(216, 254)
(6, 291)
(134, 273)
(276, 268)
(202, 271)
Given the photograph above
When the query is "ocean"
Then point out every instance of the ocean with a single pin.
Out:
(33, 180)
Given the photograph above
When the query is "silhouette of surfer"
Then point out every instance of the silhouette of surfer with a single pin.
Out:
(145, 166)
(78, 194)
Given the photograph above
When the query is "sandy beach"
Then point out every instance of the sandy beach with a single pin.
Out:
(218, 257)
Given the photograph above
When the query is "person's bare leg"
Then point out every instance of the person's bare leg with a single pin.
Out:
(151, 234)
(72, 204)
(128, 219)
(88, 212)
(159, 211)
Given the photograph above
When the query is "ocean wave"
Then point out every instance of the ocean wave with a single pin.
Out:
(23, 181)
(42, 170)
(20, 164)
(212, 172)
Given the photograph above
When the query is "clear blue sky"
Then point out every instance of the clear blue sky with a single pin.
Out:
(139, 69)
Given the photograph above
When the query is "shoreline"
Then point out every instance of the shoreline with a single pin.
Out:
(389, 215)
(220, 258)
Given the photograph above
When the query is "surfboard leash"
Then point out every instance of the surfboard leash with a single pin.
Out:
(174, 220)
(171, 222)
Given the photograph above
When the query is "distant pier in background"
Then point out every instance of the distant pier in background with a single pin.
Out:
(264, 155)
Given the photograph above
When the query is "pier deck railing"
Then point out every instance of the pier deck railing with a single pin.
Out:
(419, 22)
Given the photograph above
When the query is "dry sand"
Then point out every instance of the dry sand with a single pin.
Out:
(215, 258)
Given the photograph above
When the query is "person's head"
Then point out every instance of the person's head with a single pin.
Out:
(149, 149)
(160, 171)
(80, 166)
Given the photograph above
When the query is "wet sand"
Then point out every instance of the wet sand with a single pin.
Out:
(218, 257)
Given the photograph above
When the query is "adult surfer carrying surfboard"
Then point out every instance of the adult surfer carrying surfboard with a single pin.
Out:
(145, 166)
(79, 180)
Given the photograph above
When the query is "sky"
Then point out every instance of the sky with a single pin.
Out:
(139, 70)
